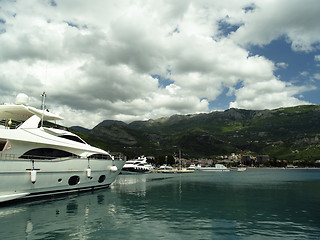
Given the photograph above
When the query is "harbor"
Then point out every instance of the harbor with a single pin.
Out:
(165, 120)
(255, 204)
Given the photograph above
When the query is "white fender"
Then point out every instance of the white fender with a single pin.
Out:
(33, 175)
(88, 172)
(113, 168)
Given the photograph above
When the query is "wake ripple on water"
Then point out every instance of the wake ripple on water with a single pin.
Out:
(277, 230)
(257, 204)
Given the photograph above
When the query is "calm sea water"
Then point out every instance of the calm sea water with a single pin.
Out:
(256, 204)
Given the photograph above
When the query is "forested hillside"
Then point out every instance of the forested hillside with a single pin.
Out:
(285, 133)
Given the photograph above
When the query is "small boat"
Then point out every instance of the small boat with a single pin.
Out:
(40, 158)
(216, 168)
(184, 170)
(138, 165)
(168, 169)
(192, 167)
(165, 167)
(240, 168)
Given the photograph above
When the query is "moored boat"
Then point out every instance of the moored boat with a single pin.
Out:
(138, 165)
(38, 160)
(241, 169)
(168, 169)
(164, 169)
(216, 168)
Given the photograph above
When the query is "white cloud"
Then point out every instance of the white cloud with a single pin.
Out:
(96, 60)
(296, 20)
(268, 95)
(304, 73)
(316, 76)
(282, 65)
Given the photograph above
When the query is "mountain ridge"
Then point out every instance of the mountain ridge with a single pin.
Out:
(283, 133)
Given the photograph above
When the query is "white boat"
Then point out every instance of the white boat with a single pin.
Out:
(168, 169)
(37, 161)
(241, 169)
(138, 165)
(216, 168)
(192, 167)
(165, 167)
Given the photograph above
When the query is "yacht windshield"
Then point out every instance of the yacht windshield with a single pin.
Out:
(73, 138)
(46, 153)
(100, 156)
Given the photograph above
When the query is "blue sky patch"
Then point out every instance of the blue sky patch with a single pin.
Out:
(53, 3)
(162, 82)
(226, 28)
(296, 67)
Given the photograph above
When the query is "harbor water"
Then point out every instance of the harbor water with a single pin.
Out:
(255, 204)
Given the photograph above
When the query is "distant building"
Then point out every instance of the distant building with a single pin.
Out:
(233, 157)
(262, 159)
(246, 160)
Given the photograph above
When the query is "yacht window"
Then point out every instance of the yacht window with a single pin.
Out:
(74, 180)
(73, 138)
(45, 153)
(4, 145)
(102, 178)
(100, 156)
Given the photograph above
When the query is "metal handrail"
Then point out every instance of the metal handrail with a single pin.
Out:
(10, 157)
(14, 124)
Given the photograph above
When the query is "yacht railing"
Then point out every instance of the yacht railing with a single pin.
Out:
(13, 125)
(4, 123)
(14, 157)
(118, 156)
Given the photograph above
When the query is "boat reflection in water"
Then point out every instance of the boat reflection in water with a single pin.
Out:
(256, 204)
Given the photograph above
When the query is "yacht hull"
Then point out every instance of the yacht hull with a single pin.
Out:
(26, 178)
(209, 169)
(135, 170)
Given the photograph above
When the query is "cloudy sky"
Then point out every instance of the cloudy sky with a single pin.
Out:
(137, 60)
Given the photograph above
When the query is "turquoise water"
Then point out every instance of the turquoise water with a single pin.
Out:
(256, 204)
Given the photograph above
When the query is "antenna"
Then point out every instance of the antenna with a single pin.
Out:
(43, 95)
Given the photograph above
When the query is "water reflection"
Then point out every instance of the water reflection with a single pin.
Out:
(202, 206)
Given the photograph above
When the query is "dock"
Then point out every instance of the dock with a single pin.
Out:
(174, 170)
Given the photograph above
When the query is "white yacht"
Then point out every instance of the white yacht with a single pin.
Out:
(37, 161)
(216, 168)
(165, 167)
(138, 165)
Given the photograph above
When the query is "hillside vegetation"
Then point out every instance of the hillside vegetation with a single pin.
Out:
(285, 134)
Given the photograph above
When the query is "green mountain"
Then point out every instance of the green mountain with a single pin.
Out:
(286, 133)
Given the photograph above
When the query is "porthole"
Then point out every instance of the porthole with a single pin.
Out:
(102, 178)
(59, 180)
(74, 180)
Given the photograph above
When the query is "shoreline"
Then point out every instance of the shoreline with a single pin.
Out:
(282, 168)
